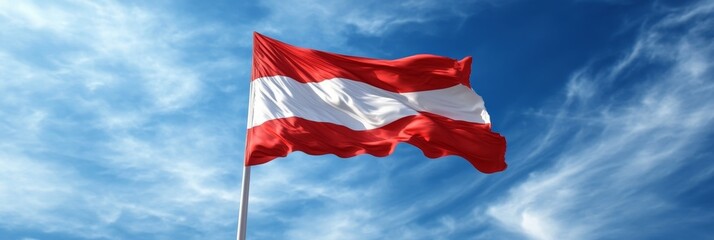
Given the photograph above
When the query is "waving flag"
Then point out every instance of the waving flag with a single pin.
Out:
(325, 103)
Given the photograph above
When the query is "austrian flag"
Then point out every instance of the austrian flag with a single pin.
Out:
(325, 103)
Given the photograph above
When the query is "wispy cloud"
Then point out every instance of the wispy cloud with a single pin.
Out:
(617, 140)
(334, 22)
(358, 201)
(100, 132)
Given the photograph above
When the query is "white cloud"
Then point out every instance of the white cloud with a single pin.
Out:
(99, 133)
(310, 197)
(634, 137)
(32, 193)
(328, 24)
(107, 36)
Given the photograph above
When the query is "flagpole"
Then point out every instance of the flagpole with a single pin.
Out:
(243, 211)
(245, 185)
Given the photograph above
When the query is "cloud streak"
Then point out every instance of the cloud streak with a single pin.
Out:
(617, 144)
(101, 136)
(299, 21)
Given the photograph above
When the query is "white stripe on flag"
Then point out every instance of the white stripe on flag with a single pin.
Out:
(357, 105)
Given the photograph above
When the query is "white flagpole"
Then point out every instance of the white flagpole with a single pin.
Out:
(243, 211)
(245, 186)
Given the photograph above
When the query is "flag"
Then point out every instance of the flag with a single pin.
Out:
(324, 103)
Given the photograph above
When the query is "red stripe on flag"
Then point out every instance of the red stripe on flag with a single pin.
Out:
(410, 74)
(435, 135)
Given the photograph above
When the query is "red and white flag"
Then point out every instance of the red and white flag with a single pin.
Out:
(325, 103)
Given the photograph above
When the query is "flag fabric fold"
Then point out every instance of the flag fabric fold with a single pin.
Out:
(325, 103)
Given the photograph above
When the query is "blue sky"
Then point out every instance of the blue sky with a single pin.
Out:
(126, 120)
